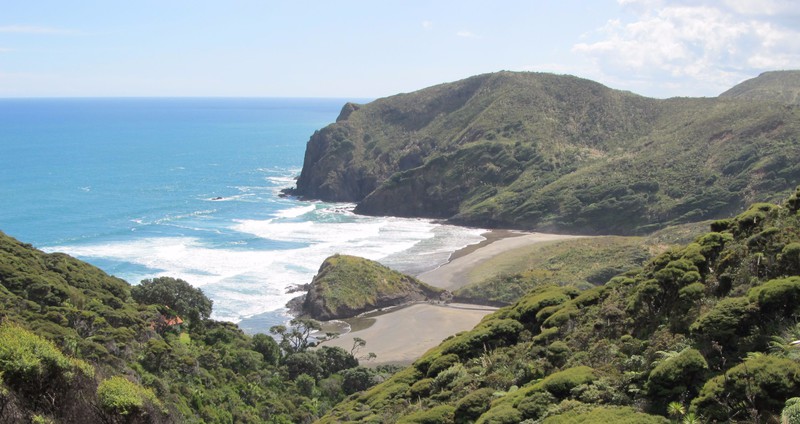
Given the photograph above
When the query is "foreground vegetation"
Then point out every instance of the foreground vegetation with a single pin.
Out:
(702, 333)
(77, 345)
(560, 154)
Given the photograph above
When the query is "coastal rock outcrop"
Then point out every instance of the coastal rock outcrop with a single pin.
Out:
(559, 153)
(346, 286)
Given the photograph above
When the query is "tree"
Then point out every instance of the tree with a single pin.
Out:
(297, 337)
(304, 363)
(356, 379)
(335, 359)
(188, 302)
(267, 347)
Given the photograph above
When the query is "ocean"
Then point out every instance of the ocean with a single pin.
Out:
(189, 188)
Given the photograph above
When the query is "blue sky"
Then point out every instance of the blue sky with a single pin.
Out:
(376, 48)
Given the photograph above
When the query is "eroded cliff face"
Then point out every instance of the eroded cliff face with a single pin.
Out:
(346, 286)
(558, 153)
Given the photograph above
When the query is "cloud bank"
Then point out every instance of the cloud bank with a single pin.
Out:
(696, 45)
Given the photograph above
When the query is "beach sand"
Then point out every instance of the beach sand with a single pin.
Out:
(402, 335)
(453, 275)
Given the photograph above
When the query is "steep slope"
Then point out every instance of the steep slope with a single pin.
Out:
(346, 286)
(778, 86)
(548, 152)
(702, 331)
(78, 345)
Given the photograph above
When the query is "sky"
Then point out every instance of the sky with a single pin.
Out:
(376, 48)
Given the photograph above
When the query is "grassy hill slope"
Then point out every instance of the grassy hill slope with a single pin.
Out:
(346, 286)
(558, 153)
(77, 345)
(701, 332)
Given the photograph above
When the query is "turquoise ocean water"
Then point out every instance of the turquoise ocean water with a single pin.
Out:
(189, 188)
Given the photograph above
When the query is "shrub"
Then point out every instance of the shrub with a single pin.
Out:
(501, 414)
(729, 318)
(119, 396)
(691, 293)
(471, 406)
(536, 404)
(356, 379)
(442, 363)
(605, 415)
(791, 411)
(267, 347)
(531, 304)
(721, 225)
(305, 385)
(442, 414)
(790, 258)
(677, 375)
(754, 216)
(421, 388)
(335, 359)
(560, 383)
(778, 296)
(31, 364)
(489, 334)
(761, 383)
(558, 352)
(304, 363)
(450, 376)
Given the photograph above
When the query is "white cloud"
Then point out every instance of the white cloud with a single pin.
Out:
(690, 44)
(466, 34)
(764, 7)
(427, 25)
(31, 29)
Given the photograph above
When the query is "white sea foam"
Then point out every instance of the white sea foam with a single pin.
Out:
(295, 211)
(245, 282)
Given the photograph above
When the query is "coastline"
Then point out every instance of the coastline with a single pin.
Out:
(403, 334)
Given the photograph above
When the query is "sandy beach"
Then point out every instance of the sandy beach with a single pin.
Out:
(402, 335)
(452, 276)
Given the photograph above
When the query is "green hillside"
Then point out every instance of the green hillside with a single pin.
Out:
(702, 333)
(346, 286)
(581, 263)
(80, 346)
(558, 153)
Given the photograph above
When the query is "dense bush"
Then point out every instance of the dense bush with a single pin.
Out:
(37, 370)
(677, 377)
(730, 319)
(442, 363)
(504, 414)
(777, 297)
(560, 383)
(442, 414)
(758, 386)
(791, 411)
(605, 415)
(70, 314)
(119, 396)
(471, 406)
